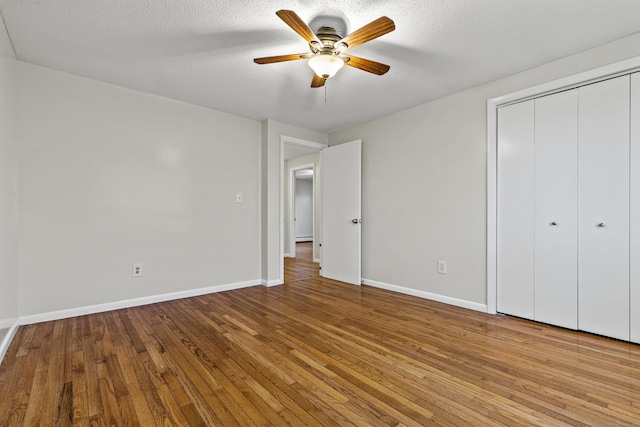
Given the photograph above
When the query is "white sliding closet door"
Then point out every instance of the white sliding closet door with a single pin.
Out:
(556, 209)
(515, 238)
(634, 294)
(603, 194)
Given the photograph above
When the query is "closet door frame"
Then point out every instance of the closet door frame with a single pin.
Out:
(634, 211)
(577, 80)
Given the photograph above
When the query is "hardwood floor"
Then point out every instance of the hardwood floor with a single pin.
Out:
(314, 352)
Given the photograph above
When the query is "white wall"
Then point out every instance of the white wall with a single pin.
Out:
(6, 49)
(271, 173)
(424, 182)
(303, 201)
(109, 177)
(8, 184)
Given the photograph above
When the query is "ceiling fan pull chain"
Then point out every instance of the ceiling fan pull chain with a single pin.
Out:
(325, 93)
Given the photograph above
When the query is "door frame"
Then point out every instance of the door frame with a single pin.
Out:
(292, 207)
(598, 74)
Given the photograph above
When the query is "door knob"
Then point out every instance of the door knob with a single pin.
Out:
(554, 223)
(354, 220)
(601, 225)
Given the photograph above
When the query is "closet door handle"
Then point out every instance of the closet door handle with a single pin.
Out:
(601, 225)
(554, 224)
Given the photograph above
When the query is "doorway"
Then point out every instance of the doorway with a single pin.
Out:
(298, 154)
(342, 252)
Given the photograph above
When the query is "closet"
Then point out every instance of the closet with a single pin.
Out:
(568, 208)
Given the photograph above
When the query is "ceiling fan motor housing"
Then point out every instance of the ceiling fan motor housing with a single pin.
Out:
(329, 37)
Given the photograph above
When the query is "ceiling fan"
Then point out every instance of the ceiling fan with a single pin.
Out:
(327, 47)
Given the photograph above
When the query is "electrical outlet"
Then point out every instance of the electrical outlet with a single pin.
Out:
(137, 270)
(442, 267)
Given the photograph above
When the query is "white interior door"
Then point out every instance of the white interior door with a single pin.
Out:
(556, 209)
(515, 269)
(603, 194)
(341, 186)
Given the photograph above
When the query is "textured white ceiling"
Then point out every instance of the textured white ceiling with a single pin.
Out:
(201, 52)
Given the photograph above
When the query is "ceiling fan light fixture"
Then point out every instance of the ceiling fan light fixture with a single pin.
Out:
(325, 65)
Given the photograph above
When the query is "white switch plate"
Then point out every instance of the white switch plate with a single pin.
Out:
(137, 270)
(239, 198)
(442, 267)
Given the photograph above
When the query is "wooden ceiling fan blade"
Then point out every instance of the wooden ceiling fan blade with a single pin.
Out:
(280, 58)
(317, 81)
(372, 30)
(366, 65)
(298, 25)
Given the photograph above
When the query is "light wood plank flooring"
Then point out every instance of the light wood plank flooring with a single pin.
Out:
(314, 352)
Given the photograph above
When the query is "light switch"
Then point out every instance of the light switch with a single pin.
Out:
(442, 267)
(239, 198)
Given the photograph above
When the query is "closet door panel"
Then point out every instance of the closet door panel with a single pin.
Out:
(603, 194)
(556, 209)
(634, 294)
(515, 239)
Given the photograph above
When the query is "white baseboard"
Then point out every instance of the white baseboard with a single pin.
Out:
(316, 260)
(7, 323)
(427, 295)
(304, 239)
(269, 283)
(6, 341)
(99, 308)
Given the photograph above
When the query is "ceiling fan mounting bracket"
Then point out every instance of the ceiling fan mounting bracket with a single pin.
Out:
(328, 36)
